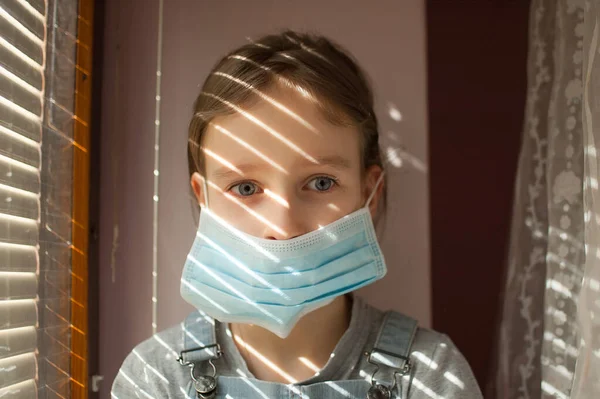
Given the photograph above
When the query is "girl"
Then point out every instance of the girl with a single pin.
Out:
(285, 164)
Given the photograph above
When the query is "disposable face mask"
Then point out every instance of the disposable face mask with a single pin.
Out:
(235, 277)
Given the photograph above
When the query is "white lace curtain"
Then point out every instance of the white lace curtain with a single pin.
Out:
(587, 373)
(549, 340)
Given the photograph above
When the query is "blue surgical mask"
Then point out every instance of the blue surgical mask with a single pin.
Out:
(235, 277)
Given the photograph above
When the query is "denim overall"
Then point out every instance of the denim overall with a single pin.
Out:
(389, 355)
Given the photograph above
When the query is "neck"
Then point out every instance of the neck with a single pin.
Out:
(302, 353)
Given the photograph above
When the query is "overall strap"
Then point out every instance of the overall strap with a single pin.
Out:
(392, 347)
(199, 339)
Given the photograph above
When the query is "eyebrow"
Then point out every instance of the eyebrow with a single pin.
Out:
(334, 161)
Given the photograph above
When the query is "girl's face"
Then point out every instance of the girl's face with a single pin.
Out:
(279, 169)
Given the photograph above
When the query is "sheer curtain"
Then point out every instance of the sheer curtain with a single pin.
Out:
(587, 383)
(550, 289)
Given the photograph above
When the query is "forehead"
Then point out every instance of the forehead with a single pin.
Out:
(284, 128)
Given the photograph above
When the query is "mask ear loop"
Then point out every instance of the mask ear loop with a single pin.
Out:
(205, 187)
(379, 180)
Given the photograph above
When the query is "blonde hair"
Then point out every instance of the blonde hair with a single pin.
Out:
(311, 63)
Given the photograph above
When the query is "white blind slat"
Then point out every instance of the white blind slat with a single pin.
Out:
(18, 258)
(27, 16)
(18, 230)
(19, 175)
(25, 389)
(17, 313)
(17, 341)
(16, 34)
(20, 66)
(19, 202)
(19, 148)
(15, 286)
(20, 121)
(16, 369)
(20, 92)
(38, 5)
(22, 49)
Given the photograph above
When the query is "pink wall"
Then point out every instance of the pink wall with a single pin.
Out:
(127, 123)
(389, 42)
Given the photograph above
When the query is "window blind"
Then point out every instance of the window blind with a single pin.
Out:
(22, 62)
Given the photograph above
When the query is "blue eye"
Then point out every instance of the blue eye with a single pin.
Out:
(321, 183)
(245, 189)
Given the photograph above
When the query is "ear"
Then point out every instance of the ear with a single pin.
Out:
(371, 176)
(196, 181)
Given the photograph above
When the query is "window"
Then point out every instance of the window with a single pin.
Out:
(44, 185)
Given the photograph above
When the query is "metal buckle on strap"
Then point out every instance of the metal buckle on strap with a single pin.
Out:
(406, 367)
(182, 361)
(381, 391)
(391, 351)
(205, 385)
